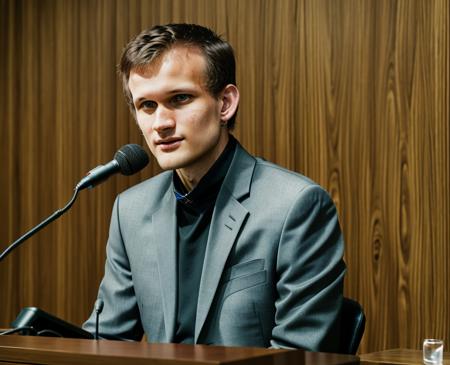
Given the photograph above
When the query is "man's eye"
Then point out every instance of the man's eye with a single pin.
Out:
(181, 98)
(147, 104)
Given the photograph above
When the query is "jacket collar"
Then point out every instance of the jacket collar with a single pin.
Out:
(228, 218)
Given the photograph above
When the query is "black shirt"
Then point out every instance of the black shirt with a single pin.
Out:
(194, 213)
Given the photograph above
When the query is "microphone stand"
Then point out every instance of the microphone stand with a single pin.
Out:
(41, 225)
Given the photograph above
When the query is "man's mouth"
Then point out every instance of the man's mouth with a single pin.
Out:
(169, 144)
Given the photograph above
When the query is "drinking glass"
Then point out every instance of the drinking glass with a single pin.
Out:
(433, 351)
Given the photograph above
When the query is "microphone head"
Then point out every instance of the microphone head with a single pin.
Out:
(131, 159)
(98, 306)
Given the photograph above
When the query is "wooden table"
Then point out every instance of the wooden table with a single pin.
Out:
(45, 350)
(398, 356)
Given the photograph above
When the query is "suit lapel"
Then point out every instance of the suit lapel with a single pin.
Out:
(165, 236)
(228, 219)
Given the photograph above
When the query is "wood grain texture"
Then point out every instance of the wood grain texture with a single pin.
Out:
(352, 93)
(57, 351)
(74, 351)
(399, 356)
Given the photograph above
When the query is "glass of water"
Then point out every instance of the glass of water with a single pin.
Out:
(433, 351)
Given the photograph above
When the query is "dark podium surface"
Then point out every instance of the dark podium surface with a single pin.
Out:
(46, 350)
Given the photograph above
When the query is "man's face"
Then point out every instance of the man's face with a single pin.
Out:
(179, 118)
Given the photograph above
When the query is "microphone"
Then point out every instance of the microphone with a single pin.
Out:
(98, 308)
(128, 160)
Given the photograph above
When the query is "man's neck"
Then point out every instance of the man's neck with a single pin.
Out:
(189, 182)
(191, 176)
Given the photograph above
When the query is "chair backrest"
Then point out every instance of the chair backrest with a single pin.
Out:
(353, 322)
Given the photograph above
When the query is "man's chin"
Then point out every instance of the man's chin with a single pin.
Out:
(170, 164)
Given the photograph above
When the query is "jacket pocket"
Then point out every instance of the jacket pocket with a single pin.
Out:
(244, 282)
(242, 269)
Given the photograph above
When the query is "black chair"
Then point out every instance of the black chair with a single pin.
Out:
(353, 322)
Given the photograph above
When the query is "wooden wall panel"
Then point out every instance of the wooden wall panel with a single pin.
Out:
(353, 93)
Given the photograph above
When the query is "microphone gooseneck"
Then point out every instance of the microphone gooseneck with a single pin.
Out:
(98, 308)
(128, 160)
(41, 225)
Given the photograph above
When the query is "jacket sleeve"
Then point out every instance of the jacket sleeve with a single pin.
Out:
(120, 317)
(310, 272)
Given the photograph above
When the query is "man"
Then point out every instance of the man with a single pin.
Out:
(222, 248)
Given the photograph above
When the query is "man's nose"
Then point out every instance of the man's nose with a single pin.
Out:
(164, 120)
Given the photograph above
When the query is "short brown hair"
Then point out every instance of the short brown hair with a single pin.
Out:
(153, 42)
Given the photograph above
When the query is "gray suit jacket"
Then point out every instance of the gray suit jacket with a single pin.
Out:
(273, 270)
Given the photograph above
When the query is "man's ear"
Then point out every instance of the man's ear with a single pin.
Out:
(230, 102)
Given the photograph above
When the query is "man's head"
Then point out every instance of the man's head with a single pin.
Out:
(179, 81)
(150, 44)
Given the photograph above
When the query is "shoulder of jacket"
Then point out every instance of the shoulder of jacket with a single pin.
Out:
(154, 185)
(278, 174)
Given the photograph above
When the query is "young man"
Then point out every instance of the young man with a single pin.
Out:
(209, 251)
